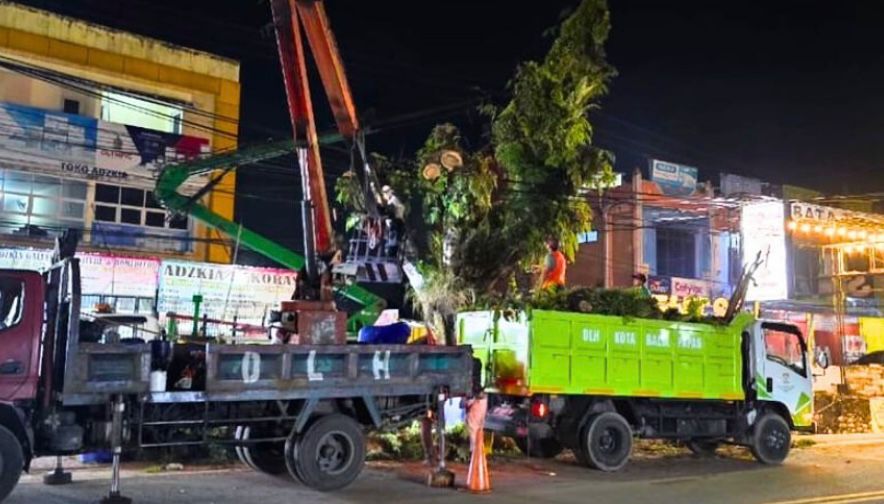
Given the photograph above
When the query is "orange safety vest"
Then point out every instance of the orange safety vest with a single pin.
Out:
(556, 274)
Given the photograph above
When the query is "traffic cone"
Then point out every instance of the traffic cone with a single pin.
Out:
(478, 479)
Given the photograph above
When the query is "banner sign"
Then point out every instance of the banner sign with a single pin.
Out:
(107, 234)
(100, 274)
(689, 287)
(51, 142)
(140, 152)
(69, 145)
(660, 284)
(674, 179)
(763, 230)
(243, 292)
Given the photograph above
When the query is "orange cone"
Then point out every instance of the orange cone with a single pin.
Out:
(478, 479)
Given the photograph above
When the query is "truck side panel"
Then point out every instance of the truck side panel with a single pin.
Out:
(585, 354)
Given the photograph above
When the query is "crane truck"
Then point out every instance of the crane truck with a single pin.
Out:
(297, 409)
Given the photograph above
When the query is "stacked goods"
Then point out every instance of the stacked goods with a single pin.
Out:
(865, 380)
(843, 414)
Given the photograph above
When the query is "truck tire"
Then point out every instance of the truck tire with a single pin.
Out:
(329, 455)
(771, 439)
(606, 442)
(268, 458)
(702, 447)
(11, 461)
(544, 448)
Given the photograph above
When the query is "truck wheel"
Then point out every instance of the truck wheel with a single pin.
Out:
(771, 439)
(268, 458)
(11, 461)
(329, 455)
(539, 447)
(607, 442)
(702, 447)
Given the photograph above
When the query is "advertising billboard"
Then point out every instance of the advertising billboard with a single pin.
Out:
(674, 179)
(246, 293)
(74, 146)
(762, 226)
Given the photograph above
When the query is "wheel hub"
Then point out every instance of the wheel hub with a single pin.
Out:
(333, 453)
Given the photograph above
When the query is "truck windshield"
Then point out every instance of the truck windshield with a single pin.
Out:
(784, 348)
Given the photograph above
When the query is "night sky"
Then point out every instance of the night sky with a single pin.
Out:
(787, 91)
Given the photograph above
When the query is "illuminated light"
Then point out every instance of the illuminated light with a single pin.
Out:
(880, 246)
(818, 228)
(860, 248)
(792, 226)
(851, 234)
(538, 409)
(805, 228)
(830, 231)
(862, 234)
(848, 249)
(841, 231)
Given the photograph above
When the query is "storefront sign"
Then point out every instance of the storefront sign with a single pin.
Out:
(243, 292)
(689, 287)
(763, 230)
(674, 179)
(101, 274)
(798, 210)
(660, 284)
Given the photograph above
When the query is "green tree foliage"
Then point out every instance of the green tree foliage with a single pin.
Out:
(530, 183)
(487, 219)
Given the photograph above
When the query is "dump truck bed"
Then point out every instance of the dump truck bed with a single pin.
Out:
(576, 353)
(275, 372)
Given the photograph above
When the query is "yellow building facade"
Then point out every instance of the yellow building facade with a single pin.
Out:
(59, 70)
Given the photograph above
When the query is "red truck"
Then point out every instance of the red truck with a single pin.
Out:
(296, 409)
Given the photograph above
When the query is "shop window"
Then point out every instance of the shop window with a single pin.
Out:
(125, 108)
(856, 260)
(676, 252)
(71, 106)
(38, 200)
(137, 207)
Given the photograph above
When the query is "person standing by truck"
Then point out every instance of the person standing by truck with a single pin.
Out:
(553, 272)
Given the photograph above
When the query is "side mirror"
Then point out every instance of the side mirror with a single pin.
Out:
(821, 357)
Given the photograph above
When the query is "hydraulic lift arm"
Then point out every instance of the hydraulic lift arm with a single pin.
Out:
(290, 17)
(173, 176)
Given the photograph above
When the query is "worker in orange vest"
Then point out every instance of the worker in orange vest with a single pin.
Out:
(553, 272)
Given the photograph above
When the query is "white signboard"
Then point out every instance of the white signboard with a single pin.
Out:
(244, 292)
(763, 229)
(100, 274)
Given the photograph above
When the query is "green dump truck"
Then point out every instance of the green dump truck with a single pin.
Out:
(591, 383)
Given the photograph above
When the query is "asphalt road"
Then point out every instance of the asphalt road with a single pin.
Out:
(821, 474)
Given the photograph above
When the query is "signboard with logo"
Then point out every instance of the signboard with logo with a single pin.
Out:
(69, 145)
(674, 179)
(763, 230)
(244, 292)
